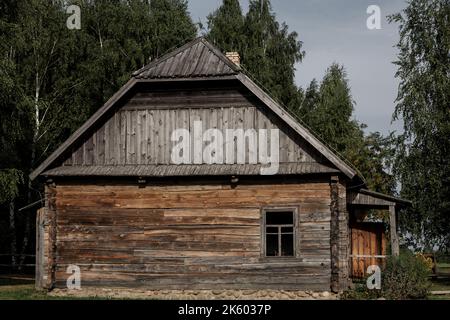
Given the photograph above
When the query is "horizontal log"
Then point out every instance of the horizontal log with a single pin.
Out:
(161, 245)
(178, 185)
(141, 236)
(190, 235)
(198, 278)
(325, 286)
(176, 267)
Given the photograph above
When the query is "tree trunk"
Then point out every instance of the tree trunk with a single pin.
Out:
(26, 237)
(12, 229)
(395, 250)
(26, 234)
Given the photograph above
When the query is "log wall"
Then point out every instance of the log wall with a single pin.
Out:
(189, 235)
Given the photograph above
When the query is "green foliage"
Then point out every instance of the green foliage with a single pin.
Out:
(52, 78)
(360, 292)
(118, 37)
(271, 52)
(373, 155)
(226, 27)
(404, 277)
(268, 50)
(443, 257)
(15, 119)
(422, 160)
(328, 109)
(9, 184)
(24, 289)
(330, 115)
(307, 109)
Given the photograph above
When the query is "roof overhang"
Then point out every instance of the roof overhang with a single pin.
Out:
(186, 170)
(374, 200)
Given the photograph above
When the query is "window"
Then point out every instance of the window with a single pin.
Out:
(279, 233)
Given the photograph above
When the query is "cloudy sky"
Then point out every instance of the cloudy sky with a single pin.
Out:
(336, 31)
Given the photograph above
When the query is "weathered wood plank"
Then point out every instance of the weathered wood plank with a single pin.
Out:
(199, 234)
(224, 108)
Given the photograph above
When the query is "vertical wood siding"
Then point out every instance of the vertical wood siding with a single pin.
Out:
(140, 131)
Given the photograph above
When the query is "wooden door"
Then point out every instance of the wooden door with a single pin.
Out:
(368, 243)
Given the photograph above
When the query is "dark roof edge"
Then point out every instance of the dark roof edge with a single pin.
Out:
(294, 124)
(385, 197)
(161, 170)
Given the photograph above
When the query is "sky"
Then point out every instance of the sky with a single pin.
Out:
(336, 31)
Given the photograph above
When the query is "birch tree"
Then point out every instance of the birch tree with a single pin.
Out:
(423, 104)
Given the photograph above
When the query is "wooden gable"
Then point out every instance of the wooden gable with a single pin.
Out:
(139, 132)
(193, 83)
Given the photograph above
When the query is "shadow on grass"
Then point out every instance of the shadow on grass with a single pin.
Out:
(12, 280)
(440, 283)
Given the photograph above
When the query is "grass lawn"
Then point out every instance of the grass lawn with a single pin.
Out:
(442, 282)
(22, 292)
(443, 269)
(22, 288)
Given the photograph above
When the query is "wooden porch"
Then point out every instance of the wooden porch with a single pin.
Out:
(368, 242)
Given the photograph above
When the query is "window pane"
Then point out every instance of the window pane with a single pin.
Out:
(279, 218)
(287, 244)
(287, 229)
(271, 245)
(272, 230)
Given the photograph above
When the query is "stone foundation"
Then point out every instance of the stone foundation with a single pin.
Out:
(119, 293)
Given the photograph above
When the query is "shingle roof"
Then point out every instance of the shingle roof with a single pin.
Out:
(195, 59)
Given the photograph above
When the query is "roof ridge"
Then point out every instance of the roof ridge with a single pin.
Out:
(221, 55)
(172, 53)
(169, 53)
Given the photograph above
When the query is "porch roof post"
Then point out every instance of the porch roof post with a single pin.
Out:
(395, 247)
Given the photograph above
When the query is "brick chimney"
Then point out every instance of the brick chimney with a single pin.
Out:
(234, 57)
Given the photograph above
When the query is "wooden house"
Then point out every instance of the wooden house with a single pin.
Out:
(118, 205)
